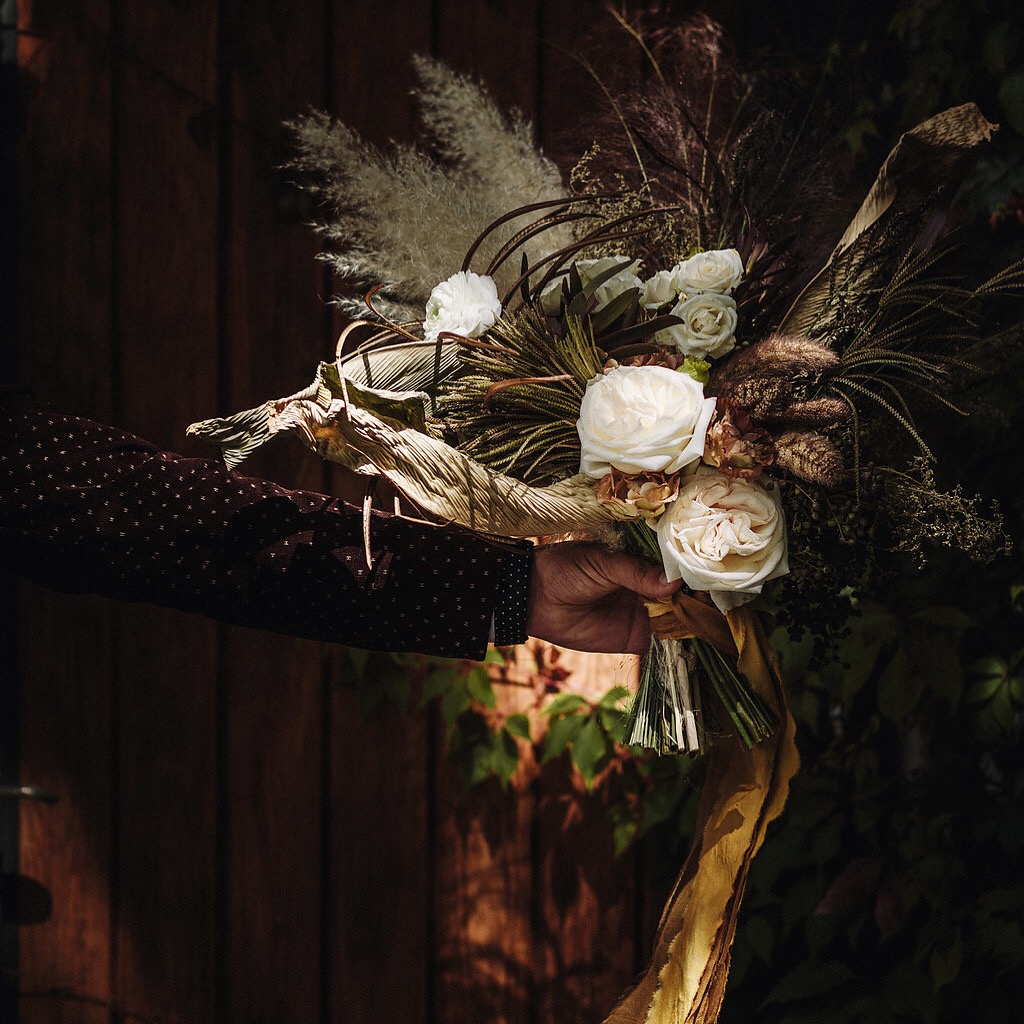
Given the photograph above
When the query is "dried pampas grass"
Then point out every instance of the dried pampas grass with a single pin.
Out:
(399, 218)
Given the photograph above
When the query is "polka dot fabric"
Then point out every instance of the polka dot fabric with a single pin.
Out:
(88, 508)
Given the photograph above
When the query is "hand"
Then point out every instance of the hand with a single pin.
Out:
(589, 598)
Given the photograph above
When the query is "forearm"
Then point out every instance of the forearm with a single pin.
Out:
(88, 508)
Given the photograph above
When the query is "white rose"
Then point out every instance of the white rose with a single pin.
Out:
(551, 293)
(465, 304)
(724, 535)
(659, 290)
(642, 419)
(708, 329)
(719, 270)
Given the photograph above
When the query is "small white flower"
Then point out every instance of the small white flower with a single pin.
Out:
(465, 304)
(659, 290)
(642, 419)
(718, 270)
(708, 329)
(551, 293)
(724, 535)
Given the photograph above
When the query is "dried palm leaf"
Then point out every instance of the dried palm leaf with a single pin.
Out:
(931, 157)
(381, 434)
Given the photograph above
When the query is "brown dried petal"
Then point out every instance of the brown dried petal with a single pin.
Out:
(637, 496)
(670, 357)
(735, 445)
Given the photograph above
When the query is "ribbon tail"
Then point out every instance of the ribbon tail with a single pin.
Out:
(745, 790)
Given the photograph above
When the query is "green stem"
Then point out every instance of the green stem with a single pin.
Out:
(753, 718)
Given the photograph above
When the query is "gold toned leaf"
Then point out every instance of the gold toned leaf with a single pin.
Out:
(745, 790)
(933, 155)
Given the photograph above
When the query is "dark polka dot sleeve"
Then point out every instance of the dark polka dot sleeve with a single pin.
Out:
(88, 508)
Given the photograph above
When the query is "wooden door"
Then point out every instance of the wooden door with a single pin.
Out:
(230, 844)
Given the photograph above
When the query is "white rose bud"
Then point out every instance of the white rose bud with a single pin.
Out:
(724, 535)
(659, 290)
(642, 419)
(708, 329)
(465, 304)
(551, 293)
(719, 270)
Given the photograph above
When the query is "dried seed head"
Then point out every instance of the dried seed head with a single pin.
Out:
(809, 456)
(816, 412)
(763, 396)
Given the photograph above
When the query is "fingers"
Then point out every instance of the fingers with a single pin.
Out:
(634, 574)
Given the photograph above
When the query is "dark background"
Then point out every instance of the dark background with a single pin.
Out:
(231, 844)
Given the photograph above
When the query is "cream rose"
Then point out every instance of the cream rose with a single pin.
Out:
(466, 304)
(708, 328)
(659, 290)
(725, 536)
(718, 270)
(642, 419)
(551, 293)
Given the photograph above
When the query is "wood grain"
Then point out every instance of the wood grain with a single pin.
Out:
(273, 324)
(379, 943)
(167, 252)
(65, 642)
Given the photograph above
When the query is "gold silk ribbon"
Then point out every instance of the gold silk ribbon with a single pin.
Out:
(744, 791)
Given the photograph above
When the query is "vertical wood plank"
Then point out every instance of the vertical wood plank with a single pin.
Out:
(65, 956)
(585, 931)
(65, 643)
(485, 869)
(166, 156)
(496, 41)
(379, 892)
(275, 335)
(486, 903)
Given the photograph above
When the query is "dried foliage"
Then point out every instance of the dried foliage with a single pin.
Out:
(406, 219)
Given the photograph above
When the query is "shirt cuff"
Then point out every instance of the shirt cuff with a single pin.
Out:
(513, 594)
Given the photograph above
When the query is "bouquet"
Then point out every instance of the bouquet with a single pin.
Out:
(671, 351)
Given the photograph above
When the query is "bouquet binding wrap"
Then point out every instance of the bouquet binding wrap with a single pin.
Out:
(650, 356)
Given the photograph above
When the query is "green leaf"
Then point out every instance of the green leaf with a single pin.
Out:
(518, 725)
(478, 683)
(591, 750)
(560, 734)
(1002, 709)
(504, 756)
(439, 681)
(698, 369)
(624, 830)
(565, 703)
(988, 675)
(613, 699)
(1017, 689)
(454, 703)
